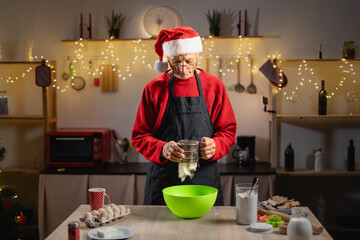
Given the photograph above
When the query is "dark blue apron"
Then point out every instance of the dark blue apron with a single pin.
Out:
(184, 118)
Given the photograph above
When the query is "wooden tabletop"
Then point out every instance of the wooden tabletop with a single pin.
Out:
(158, 222)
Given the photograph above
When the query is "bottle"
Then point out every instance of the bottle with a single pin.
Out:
(289, 158)
(319, 52)
(73, 230)
(318, 161)
(322, 99)
(349, 50)
(351, 156)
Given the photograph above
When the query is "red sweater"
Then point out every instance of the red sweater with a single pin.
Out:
(153, 104)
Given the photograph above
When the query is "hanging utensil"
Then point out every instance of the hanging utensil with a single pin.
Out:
(65, 74)
(239, 87)
(251, 89)
(78, 83)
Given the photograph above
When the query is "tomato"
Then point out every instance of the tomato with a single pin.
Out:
(262, 218)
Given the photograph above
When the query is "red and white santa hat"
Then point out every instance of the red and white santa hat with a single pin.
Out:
(174, 42)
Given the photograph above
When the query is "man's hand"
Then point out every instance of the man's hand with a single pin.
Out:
(207, 148)
(172, 151)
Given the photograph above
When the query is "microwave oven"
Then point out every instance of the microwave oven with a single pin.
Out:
(78, 147)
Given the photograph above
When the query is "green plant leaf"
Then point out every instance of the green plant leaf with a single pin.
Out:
(213, 18)
(116, 21)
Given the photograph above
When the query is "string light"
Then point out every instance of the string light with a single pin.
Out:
(244, 51)
(79, 52)
(303, 69)
(14, 79)
(307, 74)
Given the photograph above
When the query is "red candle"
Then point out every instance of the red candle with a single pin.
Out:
(81, 26)
(90, 37)
(239, 25)
(245, 23)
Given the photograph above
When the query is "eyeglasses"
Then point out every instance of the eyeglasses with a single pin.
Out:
(187, 63)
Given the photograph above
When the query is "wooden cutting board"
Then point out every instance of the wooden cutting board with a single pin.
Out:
(109, 81)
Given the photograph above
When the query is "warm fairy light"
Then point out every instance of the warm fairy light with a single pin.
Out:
(244, 51)
(346, 69)
(14, 79)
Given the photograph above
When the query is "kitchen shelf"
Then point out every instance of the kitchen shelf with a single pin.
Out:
(48, 118)
(319, 60)
(311, 172)
(27, 117)
(314, 116)
(22, 117)
(145, 39)
(20, 62)
(20, 170)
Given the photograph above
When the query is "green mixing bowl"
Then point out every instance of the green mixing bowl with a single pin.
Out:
(190, 201)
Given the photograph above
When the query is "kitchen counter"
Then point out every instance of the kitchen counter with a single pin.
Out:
(125, 183)
(158, 222)
(260, 168)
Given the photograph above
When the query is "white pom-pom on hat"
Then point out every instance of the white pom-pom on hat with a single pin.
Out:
(161, 66)
(174, 42)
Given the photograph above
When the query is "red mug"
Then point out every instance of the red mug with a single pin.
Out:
(97, 198)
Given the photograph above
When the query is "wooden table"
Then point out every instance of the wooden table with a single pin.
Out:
(56, 187)
(158, 222)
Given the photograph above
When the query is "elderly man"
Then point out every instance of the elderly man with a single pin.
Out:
(184, 102)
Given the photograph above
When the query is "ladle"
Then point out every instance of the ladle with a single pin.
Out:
(239, 87)
(251, 89)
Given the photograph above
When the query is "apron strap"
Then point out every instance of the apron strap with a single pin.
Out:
(201, 93)
(171, 85)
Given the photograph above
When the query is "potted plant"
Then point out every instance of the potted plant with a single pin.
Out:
(115, 23)
(214, 22)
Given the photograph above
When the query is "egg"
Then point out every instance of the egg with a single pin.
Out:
(110, 212)
(104, 214)
(122, 209)
(112, 205)
(95, 213)
(101, 210)
(86, 216)
(116, 210)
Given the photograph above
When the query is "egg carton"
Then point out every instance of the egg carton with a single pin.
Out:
(96, 221)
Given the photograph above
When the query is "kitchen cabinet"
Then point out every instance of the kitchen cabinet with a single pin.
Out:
(29, 105)
(329, 194)
(60, 192)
